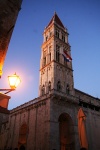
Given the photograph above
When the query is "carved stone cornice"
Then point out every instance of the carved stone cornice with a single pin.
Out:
(26, 107)
(64, 100)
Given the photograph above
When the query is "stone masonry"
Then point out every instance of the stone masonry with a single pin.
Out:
(9, 10)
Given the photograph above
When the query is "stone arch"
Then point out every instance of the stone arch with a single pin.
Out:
(66, 130)
(23, 131)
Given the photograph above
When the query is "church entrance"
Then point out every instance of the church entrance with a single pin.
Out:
(66, 130)
(22, 136)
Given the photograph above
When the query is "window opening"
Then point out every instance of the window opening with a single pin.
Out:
(43, 90)
(57, 53)
(57, 33)
(59, 86)
(63, 37)
(67, 89)
(49, 86)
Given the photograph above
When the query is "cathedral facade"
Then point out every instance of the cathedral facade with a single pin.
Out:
(62, 117)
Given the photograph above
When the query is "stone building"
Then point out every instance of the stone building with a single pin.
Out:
(50, 122)
(9, 10)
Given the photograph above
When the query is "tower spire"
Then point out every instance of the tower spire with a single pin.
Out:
(57, 20)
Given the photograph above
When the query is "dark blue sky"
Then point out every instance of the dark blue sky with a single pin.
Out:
(82, 19)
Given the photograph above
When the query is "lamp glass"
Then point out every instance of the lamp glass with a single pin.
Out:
(14, 81)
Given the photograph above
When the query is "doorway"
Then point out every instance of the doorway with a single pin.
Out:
(66, 130)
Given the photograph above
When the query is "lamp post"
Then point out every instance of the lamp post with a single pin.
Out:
(14, 81)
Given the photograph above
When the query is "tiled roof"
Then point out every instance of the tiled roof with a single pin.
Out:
(56, 19)
(4, 110)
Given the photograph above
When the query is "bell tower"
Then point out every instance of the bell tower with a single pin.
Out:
(56, 73)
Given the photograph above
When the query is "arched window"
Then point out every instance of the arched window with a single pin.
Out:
(50, 56)
(43, 90)
(66, 130)
(58, 53)
(46, 37)
(50, 33)
(44, 58)
(44, 61)
(67, 89)
(57, 33)
(63, 37)
(49, 86)
(58, 86)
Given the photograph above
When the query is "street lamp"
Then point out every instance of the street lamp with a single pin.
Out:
(14, 81)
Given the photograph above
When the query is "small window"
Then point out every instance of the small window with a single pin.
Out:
(44, 61)
(44, 57)
(46, 38)
(49, 53)
(67, 89)
(50, 34)
(57, 33)
(59, 86)
(63, 37)
(50, 56)
(49, 86)
(43, 90)
(58, 53)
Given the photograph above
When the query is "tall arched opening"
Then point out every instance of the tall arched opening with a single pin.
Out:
(23, 137)
(66, 130)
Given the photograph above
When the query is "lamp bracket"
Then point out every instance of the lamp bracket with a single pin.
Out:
(8, 90)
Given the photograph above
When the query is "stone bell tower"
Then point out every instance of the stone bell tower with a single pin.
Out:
(56, 73)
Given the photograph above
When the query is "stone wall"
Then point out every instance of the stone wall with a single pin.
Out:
(36, 116)
(41, 117)
(9, 10)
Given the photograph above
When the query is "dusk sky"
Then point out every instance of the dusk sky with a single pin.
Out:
(82, 19)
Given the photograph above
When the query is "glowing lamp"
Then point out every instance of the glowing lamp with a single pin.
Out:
(14, 81)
